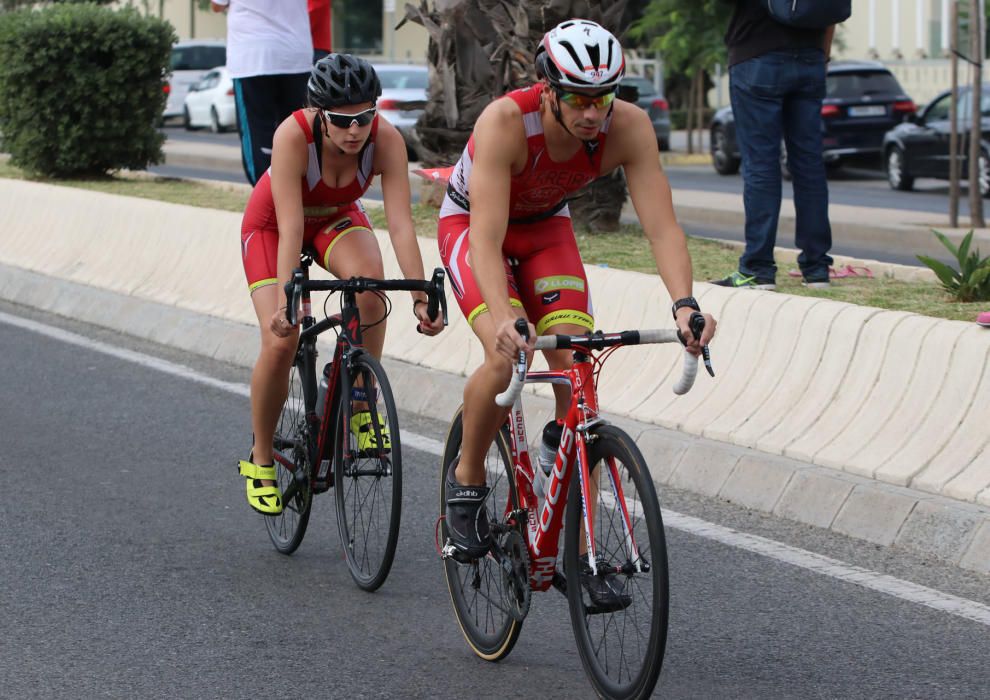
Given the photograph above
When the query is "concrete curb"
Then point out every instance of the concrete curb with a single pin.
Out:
(848, 504)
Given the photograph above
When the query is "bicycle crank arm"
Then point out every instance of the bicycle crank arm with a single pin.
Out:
(299, 481)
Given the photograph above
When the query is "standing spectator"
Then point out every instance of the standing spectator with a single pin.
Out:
(319, 28)
(269, 56)
(777, 82)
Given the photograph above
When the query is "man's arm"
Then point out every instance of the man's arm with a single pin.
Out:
(652, 199)
(829, 33)
(491, 174)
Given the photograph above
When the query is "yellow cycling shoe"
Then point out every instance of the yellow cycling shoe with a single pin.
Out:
(365, 434)
(267, 500)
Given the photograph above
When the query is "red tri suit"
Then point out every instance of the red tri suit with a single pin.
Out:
(543, 268)
(329, 213)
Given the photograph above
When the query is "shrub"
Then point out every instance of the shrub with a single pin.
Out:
(971, 282)
(82, 88)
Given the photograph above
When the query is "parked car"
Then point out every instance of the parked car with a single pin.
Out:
(403, 99)
(641, 90)
(189, 60)
(920, 146)
(863, 100)
(210, 102)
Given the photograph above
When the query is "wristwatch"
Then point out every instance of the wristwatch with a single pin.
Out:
(690, 302)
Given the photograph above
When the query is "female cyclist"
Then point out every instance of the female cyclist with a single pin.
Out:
(324, 158)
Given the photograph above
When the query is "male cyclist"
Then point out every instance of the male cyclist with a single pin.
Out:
(506, 238)
(324, 159)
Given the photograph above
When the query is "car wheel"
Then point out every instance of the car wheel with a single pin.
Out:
(897, 177)
(215, 126)
(722, 160)
(983, 172)
(186, 120)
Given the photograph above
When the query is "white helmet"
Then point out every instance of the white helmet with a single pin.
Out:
(579, 53)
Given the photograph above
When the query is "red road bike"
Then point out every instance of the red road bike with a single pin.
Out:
(613, 524)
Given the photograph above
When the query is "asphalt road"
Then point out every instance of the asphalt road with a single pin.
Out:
(131, 567)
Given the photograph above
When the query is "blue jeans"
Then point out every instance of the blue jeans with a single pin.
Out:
(778, 96)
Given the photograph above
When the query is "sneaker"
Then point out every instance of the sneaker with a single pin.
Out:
(606, 589)
(984, 319)
(467, 517)
(738, 279)
(817, 283)
(366, 439)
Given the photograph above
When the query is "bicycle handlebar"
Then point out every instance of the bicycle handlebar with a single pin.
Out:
(436, 300)
(600, 341)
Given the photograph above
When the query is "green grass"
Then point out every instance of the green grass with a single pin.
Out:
(625, 249)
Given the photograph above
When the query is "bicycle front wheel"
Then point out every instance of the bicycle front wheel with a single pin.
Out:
(621, 642)
(368, 473)
(477, 588)
(291, 453)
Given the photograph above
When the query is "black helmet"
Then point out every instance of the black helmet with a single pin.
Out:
(341, 79)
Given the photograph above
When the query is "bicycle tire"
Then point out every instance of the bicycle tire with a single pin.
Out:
(368, 539)
(288, 528)
(493, 633)
(620, 662)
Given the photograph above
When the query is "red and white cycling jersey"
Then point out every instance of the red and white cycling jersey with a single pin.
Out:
(543, 268)
(543, 183)
(329, 213)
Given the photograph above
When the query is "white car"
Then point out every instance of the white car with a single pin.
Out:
(188, 62)
(210, 102)
(403, 99)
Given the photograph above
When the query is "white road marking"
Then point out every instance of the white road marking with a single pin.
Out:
(826, 566)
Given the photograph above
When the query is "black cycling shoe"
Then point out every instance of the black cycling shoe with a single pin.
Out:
(606, 589)
(467, 517)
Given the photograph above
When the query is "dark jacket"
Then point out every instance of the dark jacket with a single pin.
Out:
(752, 32)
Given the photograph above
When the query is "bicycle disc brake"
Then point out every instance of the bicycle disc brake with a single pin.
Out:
(514, 562)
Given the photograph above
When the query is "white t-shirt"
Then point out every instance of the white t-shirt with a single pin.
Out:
(267, 37)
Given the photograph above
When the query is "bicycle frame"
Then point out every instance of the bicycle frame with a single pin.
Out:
(543, 522)
(319, 446)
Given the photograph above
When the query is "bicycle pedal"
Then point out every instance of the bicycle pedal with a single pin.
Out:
(449, 551)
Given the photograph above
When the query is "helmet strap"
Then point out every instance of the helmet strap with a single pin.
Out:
(590, 147)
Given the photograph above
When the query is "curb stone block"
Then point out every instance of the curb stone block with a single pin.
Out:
(944, 531)
(663, 450)
(874, 514)
(758, 482)
(813, 498)
(977, 557)
(705, 467)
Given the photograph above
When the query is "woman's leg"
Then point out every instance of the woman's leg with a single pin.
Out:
(269, 380)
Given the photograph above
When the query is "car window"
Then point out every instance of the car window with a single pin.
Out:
(402, 80)
(197, 57)
(859, 83)
(644, 86)
(939, 110)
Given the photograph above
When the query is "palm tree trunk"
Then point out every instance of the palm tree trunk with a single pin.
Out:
(481, 49)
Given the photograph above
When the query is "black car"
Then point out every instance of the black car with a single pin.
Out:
(863, 100)
(641, 91)
(920, 146)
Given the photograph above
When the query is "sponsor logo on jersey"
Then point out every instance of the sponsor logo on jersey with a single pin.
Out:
(555, 282)
(551, 297)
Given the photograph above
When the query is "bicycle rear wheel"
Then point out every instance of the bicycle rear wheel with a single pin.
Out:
(476, 589)
(368, 479)
(287, 529)
(621, 649)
